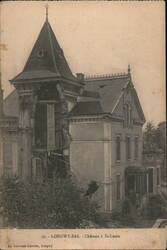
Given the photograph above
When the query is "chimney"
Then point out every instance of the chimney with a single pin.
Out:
(80, 76)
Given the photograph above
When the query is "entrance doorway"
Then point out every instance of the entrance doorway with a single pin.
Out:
(130, 183)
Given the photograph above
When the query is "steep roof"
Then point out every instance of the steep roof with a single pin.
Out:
(138, 105)
(47, 59)
(109, 88)
(87, 108)
(11, 104)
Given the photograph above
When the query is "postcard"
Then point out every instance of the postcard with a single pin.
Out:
(82, 125)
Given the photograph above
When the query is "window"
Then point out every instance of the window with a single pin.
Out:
(118, 187)
(158, 176)
(41, 53)
(138, 183)
(41, 125)
(150, 180)
(128, 115)
(128, 148)
(8, 164)
(136, 153)
(118, 148)
(37, 169)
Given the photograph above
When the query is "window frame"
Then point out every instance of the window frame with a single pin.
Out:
(128, 147)
(128, 121)
(118, 148)
(37, 169)
(118, 187)
(151, 180)
(136, 147)
(158, 175)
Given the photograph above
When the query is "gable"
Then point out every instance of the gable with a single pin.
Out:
(118, 110)
(129, 96)
(136, 113)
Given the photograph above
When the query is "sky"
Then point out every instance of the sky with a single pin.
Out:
(97, 38)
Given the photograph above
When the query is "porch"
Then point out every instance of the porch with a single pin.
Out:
(136, 181)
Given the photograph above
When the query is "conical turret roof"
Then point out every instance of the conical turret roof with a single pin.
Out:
(47, 59)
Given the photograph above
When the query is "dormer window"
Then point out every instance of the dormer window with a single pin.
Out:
(40, 53)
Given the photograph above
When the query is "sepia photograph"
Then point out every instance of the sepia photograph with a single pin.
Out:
(82, 115)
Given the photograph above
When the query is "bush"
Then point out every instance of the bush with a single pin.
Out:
(156, 207)
(58, 204)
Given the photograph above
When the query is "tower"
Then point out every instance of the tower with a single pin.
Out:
(47, 90)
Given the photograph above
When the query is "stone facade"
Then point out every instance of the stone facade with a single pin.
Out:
(94, 150)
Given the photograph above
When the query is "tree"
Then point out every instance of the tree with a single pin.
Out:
(154, 140)
(58, 204)
(162, 135)
(154, 137)
(150, 137)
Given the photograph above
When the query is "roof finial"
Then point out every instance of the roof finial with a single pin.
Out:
(129, 69)
(46, 6)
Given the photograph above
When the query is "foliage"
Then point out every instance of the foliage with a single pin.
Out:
(156, 207)
(154, 141)
(154, 137)
(123, 220)
(58, 204)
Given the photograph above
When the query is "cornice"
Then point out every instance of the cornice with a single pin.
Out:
(86, 119)
(9, 123)
(46, 80)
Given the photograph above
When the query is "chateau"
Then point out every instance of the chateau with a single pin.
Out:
(90, 125)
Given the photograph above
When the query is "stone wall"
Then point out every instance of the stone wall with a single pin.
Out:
(93, 157)
(10, 154)
(87, 155)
